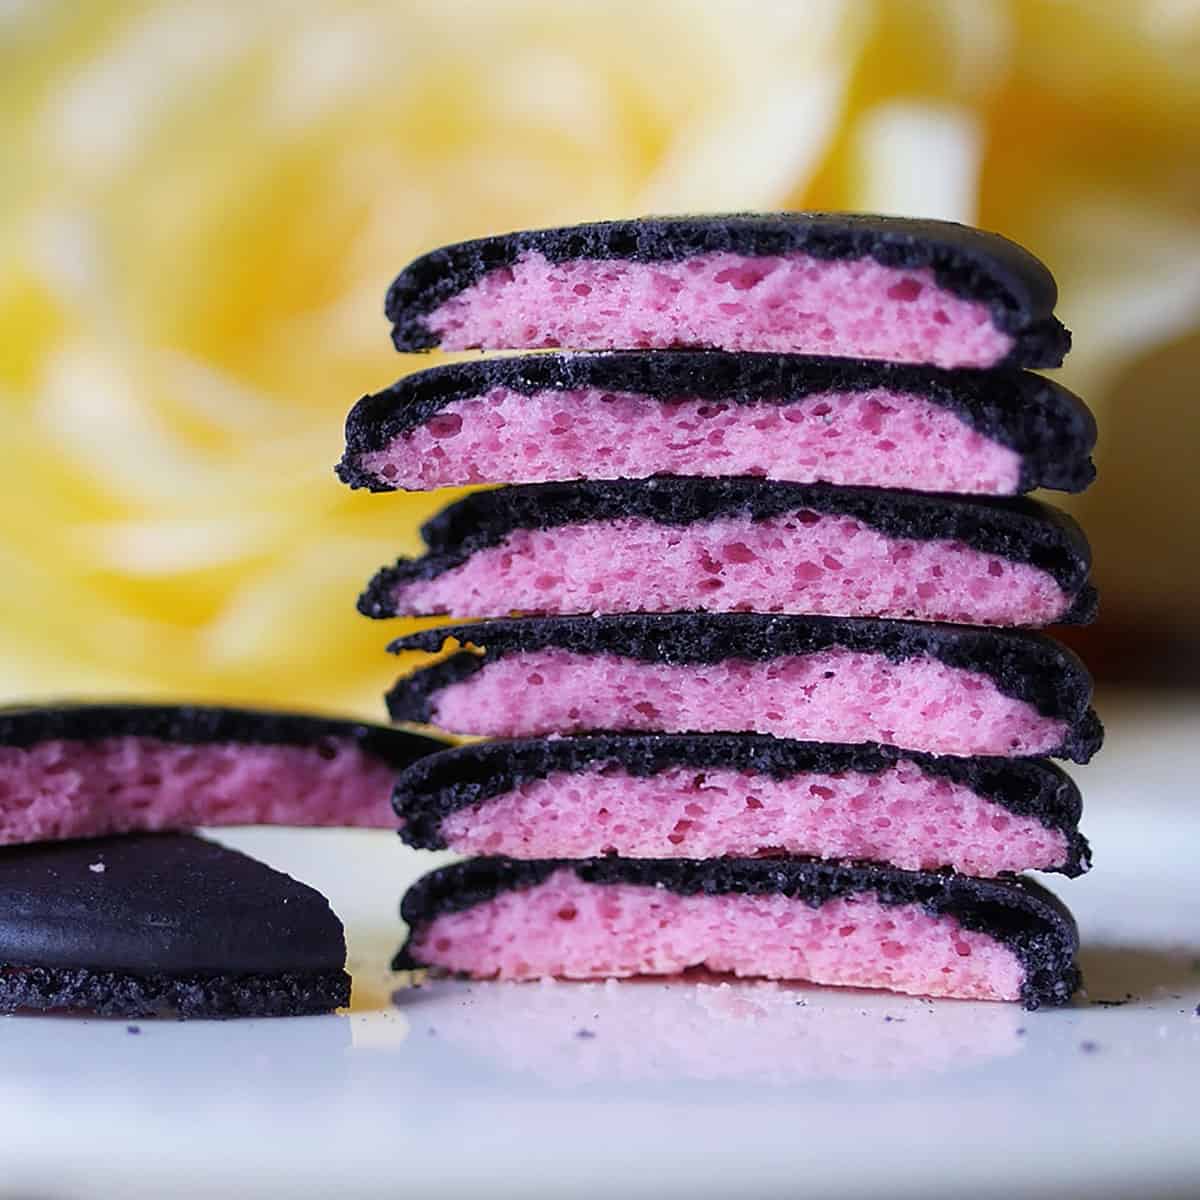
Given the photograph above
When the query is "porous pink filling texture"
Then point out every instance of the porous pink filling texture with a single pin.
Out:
(900, 816)
(565, 927)
(802, 562)
(791, 304)
(876, 438)
(830, 696)
(69, 789)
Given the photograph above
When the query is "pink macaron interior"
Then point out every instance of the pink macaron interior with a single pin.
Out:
(791, 304)
(801, 562)
(68, 789)
(835, 695)
(569, 928)
(876, 438)
(901, 815)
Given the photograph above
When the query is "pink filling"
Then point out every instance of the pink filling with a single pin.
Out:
(803, 562)
(565, 927)
(877, 438)
(901, 816)
(830, 696)
(792, 304)
(69, 789)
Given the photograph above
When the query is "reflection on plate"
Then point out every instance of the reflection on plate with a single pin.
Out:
(707, 1027)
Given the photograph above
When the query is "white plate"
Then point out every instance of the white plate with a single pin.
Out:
(652, 1089)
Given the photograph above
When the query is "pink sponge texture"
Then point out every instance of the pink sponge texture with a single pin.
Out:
(802, 562)
(829, 696)
(59, 789)
(577, 930)
(900, 816)
(793, 303)
(876, 438)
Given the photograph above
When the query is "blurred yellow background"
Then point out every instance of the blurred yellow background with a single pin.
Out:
(203, 203)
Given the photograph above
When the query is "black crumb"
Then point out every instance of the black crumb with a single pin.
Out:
(1198, 1010)
(585, 1034)
(889, 1020)
(1089, 1047)
(1111, 1003)
(801, 1003)
(1021, 1031)
(133, 1029)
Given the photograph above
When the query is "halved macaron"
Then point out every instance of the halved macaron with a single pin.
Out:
(941, 689)
(743, 545)
(131, 926)
(851, 925)
(86, 770)
(545, 418)
(742, 796)
(841, 284)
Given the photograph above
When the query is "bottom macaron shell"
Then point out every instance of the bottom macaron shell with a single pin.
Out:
(123, 994)
(855, 926)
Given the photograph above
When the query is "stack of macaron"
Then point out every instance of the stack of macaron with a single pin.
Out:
(760, 594)
(109, 903)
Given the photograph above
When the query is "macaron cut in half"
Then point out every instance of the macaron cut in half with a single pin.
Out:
(743, 545)
(850, 925)
(77, 770)
(546, 418)
(938, 689)
(856, 286)
(742, 796)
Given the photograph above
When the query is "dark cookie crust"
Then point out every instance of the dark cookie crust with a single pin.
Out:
(190, 724)
(121, 994)
(1050, 427)
(430, 790)
(1016, 528)
(1026, 918)
(1017, 288)
(158, 905)
(1027, 666)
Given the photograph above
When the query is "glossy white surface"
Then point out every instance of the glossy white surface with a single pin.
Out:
(655, 1089)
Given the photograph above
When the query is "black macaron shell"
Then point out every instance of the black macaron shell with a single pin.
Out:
(1028, 919)
(1015, 528)
(24, 726)
(1025, 665)
(430, 790)
(1052, 430)
(160, 903)
(1019, 290)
